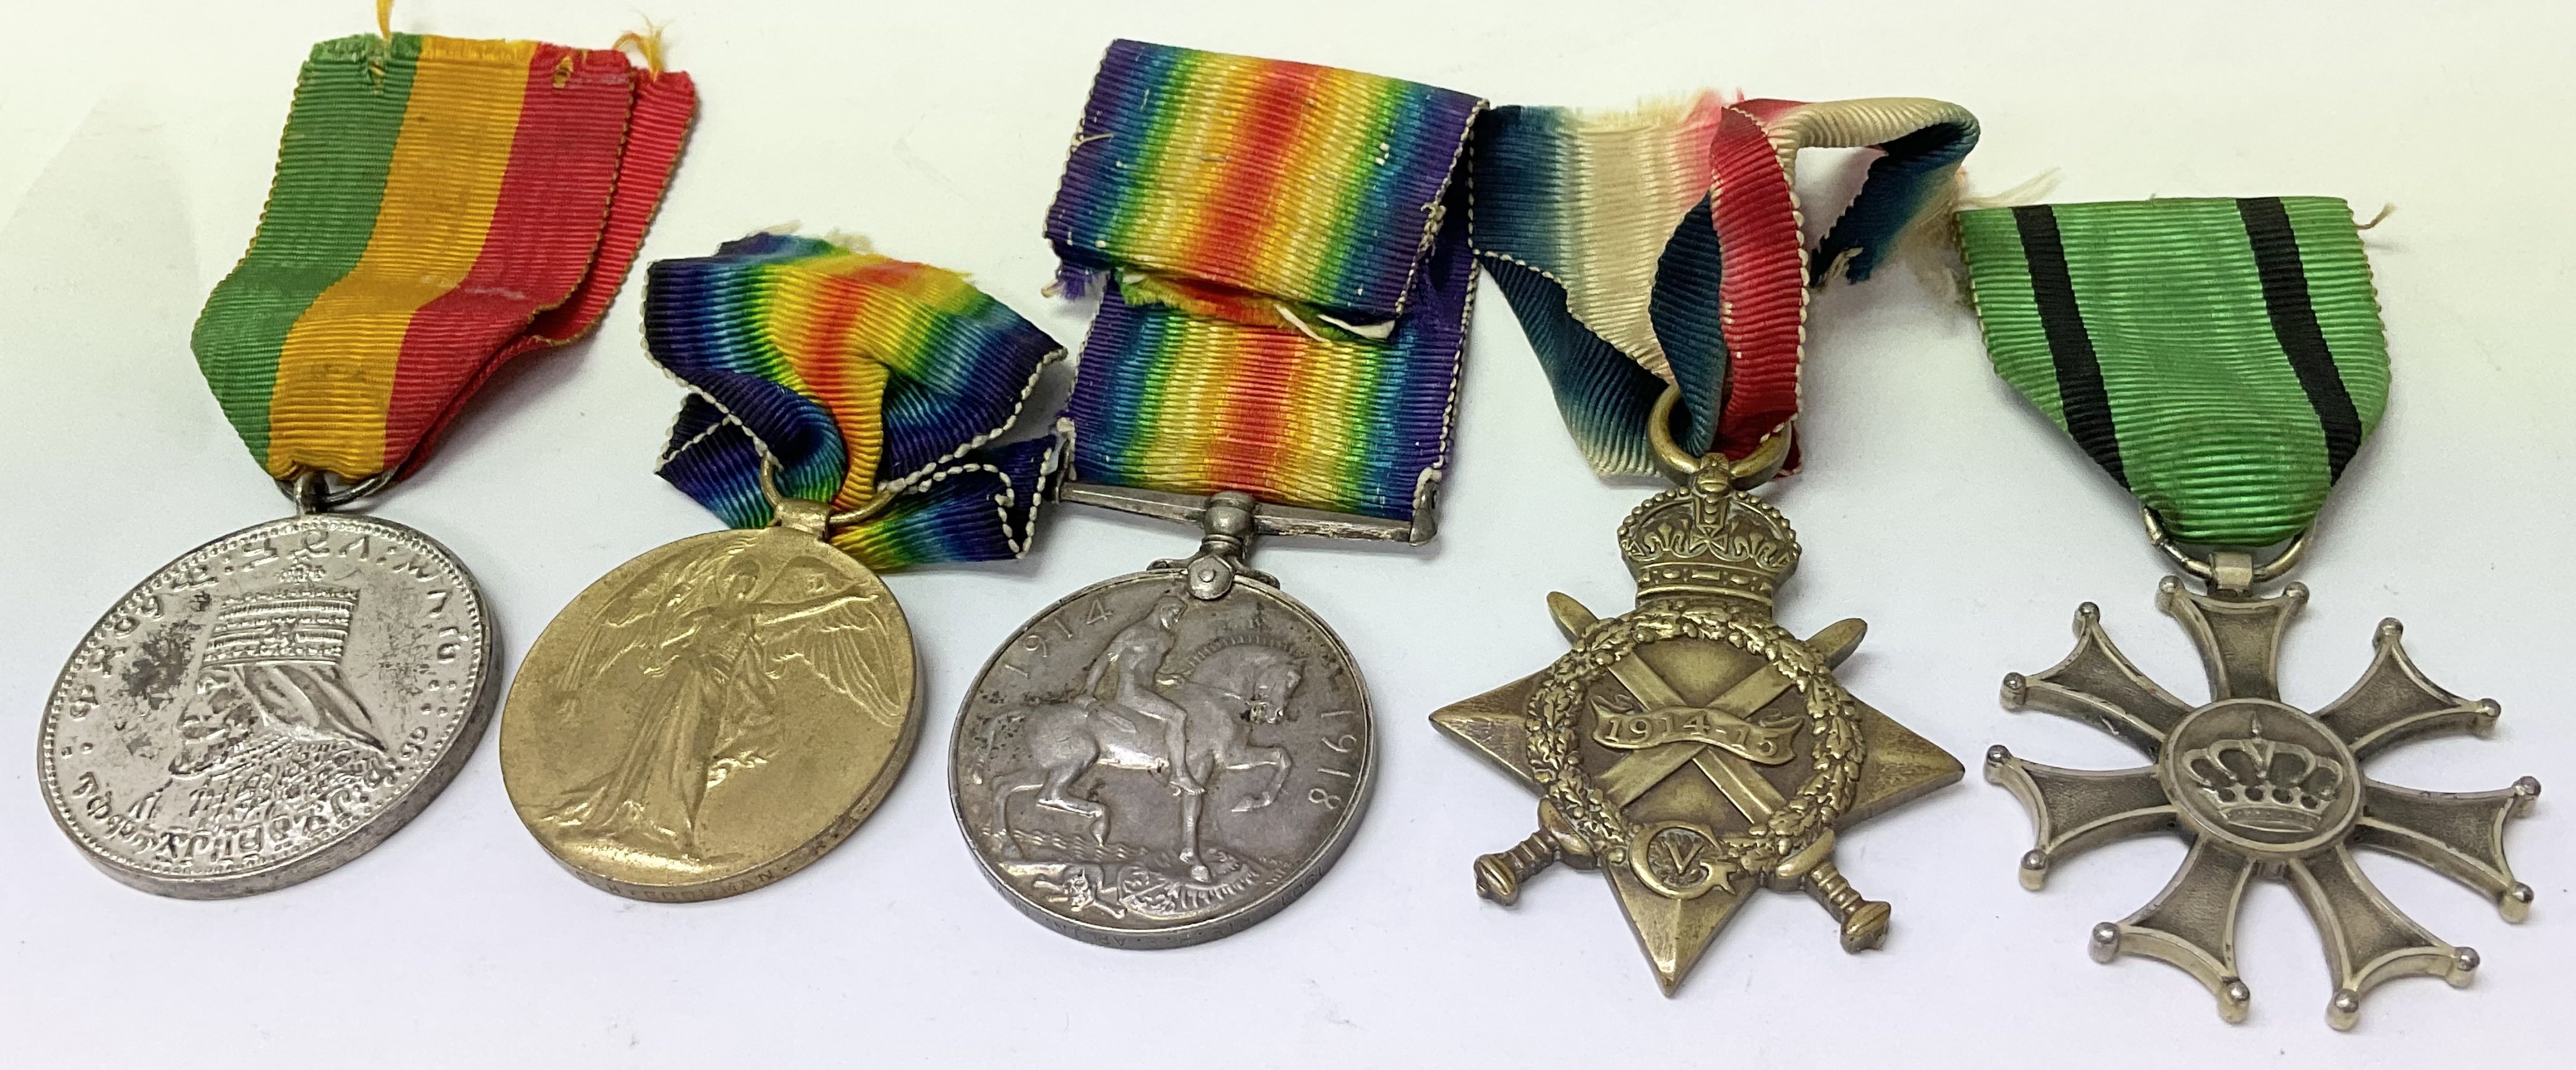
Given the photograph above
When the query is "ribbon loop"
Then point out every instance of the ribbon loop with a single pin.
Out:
(1287, 279)
(440, 207)
(1662, 246)
(867, 381)
(2222, 358)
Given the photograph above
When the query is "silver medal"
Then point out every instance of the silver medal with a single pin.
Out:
(1167, 757)
(268, 706)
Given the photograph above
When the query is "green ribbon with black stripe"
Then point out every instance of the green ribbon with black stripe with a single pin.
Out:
(2222, 358)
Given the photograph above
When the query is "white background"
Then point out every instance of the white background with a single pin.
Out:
(136, 142)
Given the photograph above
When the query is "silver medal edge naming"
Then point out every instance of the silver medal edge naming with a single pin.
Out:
(1214, 928)
(362, 836)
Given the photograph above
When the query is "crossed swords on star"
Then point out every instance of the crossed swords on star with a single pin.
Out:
(1863, 921)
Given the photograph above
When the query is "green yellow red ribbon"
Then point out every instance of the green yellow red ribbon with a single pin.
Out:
(440, 206)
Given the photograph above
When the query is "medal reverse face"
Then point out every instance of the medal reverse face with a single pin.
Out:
(1063, 775)
(712, 716)
(268, 706)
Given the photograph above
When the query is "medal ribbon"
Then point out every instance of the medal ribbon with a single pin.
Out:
(1285, 280)
(1663, 247)
(859, 376)
(2222, 358)
(440, 206)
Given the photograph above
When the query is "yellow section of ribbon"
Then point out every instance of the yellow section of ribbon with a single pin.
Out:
(335, 376)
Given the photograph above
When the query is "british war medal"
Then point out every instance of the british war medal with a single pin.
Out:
(1280, 255)
(276, 702)
(1691, 749)
(721, 711)
(2223, 360)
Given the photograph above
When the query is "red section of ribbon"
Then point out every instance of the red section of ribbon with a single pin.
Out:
(1762, 296)
(544, 230)
(1277, 106)
(655, 129)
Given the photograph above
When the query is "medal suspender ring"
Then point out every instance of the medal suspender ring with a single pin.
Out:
(2227, 570)
(311, 490)
(1753, 470)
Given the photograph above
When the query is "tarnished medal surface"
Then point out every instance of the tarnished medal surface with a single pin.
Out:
(268, 706)
(1167, 757)
(2263, 789)
(712, 716)
(1691, 749)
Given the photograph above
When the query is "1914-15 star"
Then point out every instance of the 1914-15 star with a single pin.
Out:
(1675, 902)
(2263, 789)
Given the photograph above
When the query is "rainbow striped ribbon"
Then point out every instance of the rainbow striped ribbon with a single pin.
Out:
(1286, 272)
(440, 206)
(1663, 247)
(860, 376)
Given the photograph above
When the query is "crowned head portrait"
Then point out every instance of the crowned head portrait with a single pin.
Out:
(270, 673)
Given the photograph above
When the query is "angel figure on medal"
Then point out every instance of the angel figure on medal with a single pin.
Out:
(700, 660)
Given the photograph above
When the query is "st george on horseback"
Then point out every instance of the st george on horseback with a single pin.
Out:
(1187, 726)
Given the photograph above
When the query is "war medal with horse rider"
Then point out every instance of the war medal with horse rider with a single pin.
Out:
(1174, 755)
(1187, 750)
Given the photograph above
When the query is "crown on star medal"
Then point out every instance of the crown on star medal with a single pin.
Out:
(1705, 538)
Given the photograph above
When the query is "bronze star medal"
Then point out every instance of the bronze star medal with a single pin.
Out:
(1692, 749)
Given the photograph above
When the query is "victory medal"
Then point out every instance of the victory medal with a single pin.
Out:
(1170, 756)
(721, 711)
(278, 701)
(1691, 749)
(2240, 340)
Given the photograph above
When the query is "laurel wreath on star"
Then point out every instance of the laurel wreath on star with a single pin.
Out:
(1818, 803)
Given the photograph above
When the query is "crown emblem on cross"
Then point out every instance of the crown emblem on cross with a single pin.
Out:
(2265, 784)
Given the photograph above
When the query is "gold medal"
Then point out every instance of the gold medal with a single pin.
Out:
(720, 712)
(713, 715)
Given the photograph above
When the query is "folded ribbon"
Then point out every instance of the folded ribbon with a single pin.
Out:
(440, 206)
(1663, 247)
(867, 382)
(1287, 278)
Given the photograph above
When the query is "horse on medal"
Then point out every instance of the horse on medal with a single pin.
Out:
(1201, 723)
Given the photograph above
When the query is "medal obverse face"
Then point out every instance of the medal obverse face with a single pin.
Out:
(1062, 775)
(1691, 749)
(2263, 789)
(712, 716)
(268, 706)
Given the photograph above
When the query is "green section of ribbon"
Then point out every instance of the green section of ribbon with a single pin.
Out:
(331, 167)
(2222, 358)
(2348, 307)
